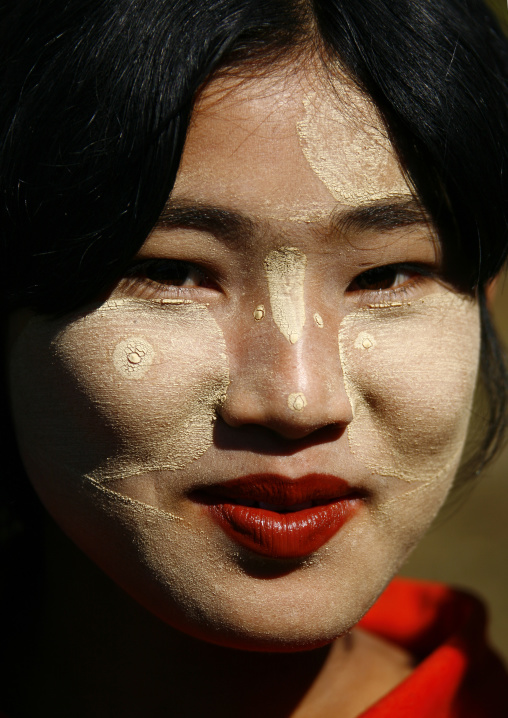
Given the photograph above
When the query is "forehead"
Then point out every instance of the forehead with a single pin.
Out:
(288, 145)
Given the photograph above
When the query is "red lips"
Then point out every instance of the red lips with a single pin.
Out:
(279, 517)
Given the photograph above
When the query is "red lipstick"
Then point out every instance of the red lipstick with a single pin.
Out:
(280, 517)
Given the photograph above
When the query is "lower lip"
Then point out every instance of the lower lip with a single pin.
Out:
(292, 535)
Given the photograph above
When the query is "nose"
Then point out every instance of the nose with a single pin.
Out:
(292, 388)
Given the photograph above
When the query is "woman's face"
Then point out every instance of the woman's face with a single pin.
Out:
(259, 424)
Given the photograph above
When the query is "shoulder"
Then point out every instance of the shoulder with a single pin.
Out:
(444, 629)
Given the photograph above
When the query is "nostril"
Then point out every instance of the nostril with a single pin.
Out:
(264, 440)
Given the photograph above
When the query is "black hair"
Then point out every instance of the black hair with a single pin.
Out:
(95, 102)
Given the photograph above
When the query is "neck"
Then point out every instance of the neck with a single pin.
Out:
(99, 652)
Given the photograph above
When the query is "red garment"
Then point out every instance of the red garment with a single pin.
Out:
(458, 675)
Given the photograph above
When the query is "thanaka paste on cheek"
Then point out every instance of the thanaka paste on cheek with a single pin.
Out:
(410, 373)
(132, 386)
(343, 141)
(133, 356)
(285, 272)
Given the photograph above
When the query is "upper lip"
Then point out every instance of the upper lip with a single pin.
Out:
(278, 490)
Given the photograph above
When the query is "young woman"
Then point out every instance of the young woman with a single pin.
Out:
(247, 247)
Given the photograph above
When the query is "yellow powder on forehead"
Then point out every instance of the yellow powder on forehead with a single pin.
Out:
(285, 272)
(410, 373)
(344, 142)
(131, 387)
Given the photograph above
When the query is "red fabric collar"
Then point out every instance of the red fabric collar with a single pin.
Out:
(458, 675)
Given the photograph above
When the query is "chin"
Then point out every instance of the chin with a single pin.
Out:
(299, 610)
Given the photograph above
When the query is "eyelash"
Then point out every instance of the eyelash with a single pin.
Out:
(136, 281)
(417, 274)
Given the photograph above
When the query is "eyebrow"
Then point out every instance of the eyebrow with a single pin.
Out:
(380, 216)
(225, 223)
(383, 215)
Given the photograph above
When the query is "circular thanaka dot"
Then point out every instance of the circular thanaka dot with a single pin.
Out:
(297, 401)
(259, 312)
(364, 340)
(133, 357)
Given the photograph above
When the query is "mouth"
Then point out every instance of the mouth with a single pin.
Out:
(278, 517)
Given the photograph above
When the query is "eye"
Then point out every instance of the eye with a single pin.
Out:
(161, 278)
(390, 276)
(170, 272)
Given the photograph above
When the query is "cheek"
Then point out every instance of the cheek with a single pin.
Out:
(129, 388)
(410, 373)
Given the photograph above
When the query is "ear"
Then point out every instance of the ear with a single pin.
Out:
(491, 292)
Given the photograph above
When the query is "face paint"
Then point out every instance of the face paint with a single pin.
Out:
(120, 402)
(318, 320)
(364, 340)
(409, 373)
(259, 312)
(342, 139)
(133, 356)
(285, 272)
(297, 401)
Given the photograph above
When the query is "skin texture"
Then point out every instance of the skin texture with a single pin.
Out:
(101, 442)
(341, 139)
(146, 402)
